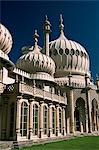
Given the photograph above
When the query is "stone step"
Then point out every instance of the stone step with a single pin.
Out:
(6, 145)
(11, 145)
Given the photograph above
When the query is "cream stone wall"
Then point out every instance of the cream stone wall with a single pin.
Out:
(6, 79)
(68, 90)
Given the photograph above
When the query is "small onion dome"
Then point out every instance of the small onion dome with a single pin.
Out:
(34, 61)
(5, 39)
(68, 55)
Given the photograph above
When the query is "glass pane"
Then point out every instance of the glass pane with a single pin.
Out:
(24, 132)
(25, 126)
(25, 111)
(25, 118)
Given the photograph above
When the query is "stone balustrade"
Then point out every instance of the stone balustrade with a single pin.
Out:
(26, 89)
(34, 91)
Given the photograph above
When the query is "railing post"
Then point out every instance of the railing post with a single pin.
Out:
(34, 87)
(59, 95)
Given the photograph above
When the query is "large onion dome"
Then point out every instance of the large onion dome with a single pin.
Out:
(5, 39)
(34, 61)
(5, 47)
(69, 56)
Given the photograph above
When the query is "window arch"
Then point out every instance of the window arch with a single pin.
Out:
(80, 115)
(35, 119)
(60, 121)
(24, 117)
(53, 120)
(45, 119)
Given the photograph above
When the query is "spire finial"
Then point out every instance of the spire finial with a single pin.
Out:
(47, 25)
(61, 24)
(46, 18)
(97, 76)
(36, 36)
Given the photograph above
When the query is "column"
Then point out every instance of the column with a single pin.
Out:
(97, 123)
(68, 125)
(89, 111)
(31, 120)
(50, 120)
(88, 88)
(18, 116)
(81, 120)
(81, 126)
(72, 129)
(46, 43)
(86, 112)
(57, 120)
(41, 119)
(95, 120)
(67, 120)
(63, 120)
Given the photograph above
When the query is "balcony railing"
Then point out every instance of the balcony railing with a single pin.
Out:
(34, 91)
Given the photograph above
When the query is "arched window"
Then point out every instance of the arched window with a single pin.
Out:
(45, 117)
(60, 121)
(24, 114)
(80, 115)
(53, 120)
(35, 119)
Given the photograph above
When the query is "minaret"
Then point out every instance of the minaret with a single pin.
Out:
(47, 30)
(61, 26)
(35, 37)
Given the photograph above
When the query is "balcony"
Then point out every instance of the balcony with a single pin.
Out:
(36, 92)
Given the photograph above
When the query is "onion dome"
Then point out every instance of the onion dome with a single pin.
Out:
(69, 56)
(34, 61)
(5, 39)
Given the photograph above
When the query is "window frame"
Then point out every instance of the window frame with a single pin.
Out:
(35, 109)
(60, 120)
(53, 118)
(45, 117)
(23, 123)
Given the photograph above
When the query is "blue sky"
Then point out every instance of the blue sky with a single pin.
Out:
(81, 20)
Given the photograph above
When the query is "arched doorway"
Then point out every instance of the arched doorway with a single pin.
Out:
(94, 114)
(79, 114)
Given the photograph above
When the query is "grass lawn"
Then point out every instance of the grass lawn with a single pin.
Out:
(79, 143)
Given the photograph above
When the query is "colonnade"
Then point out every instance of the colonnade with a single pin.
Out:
(48, 123)
(54, 120)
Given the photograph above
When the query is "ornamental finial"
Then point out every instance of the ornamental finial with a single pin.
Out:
(47, 25)
(36, 36)
(61, 24)
(97, 76)
(46, 18)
